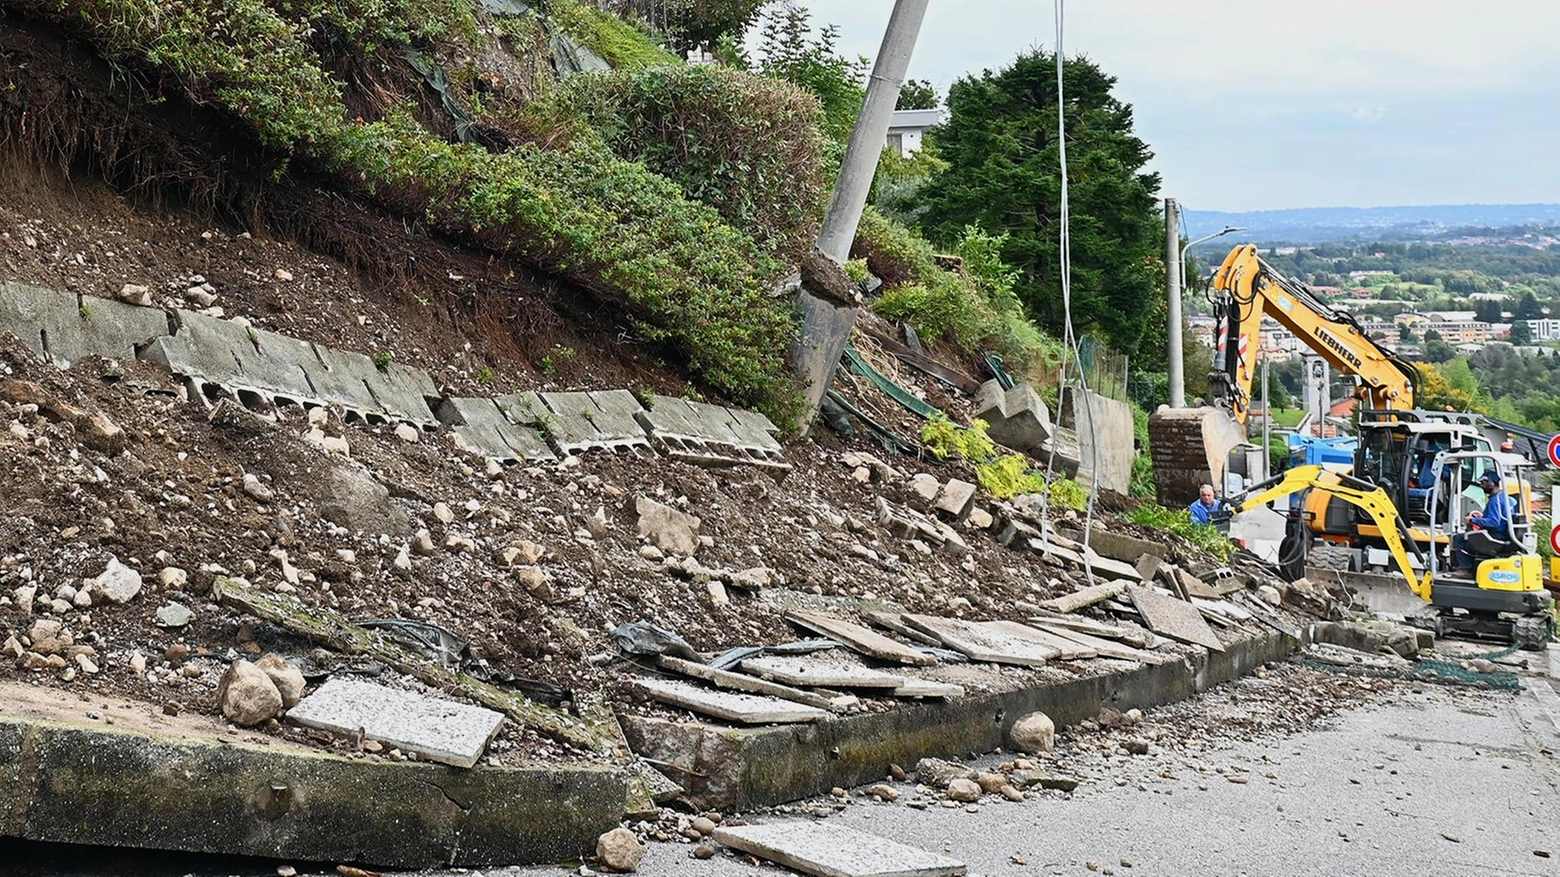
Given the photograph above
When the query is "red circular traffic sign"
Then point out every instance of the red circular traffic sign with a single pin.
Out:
(1554, 539)
(1554, 450)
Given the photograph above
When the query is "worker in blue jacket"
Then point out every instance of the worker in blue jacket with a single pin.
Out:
(1206, 505)
(1494, 523)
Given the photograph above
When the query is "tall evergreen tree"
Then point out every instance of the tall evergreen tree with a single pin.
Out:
(1001, 146)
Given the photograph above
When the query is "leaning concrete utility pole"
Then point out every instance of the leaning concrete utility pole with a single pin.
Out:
(826, 322)
(1173, 304)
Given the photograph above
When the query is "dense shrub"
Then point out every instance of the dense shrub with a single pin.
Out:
(691, 280)
(615, 40)
(749, 146)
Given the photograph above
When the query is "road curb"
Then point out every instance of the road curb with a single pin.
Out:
(743, 768)
(85, 784)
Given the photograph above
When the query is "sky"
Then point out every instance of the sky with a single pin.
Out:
(1269, 104)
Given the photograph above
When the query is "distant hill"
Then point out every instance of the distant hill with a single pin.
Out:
(1314, 225)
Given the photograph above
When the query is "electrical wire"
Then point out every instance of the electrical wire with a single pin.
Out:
(1070, 338)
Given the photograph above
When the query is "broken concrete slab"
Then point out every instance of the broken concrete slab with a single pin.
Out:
(1105, 437)
(1066, 649)
(1174, 618)
(743, 682)
(956, 499)
(1120, 546)
(141, 775)
(593, 729)
(1105, 648)
(915, 687)
(578, 422)
(1105, 566)
(711, 435)
(828, 850)
(398, 391)
(439, 730)
(1017, 418)
(807, 670)
(747, 709)
(483, 427)
(1084, 598)
(981, 642)
(890, 621)
(59, 327)
(859, 638)
(1133, 636)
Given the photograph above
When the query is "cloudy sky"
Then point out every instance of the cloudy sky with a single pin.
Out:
(1260, 104)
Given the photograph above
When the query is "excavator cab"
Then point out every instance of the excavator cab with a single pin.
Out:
(1502, 597)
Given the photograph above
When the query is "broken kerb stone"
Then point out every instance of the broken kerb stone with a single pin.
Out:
(439, 730)
(483, 426)
(826, 850)
(576, 422)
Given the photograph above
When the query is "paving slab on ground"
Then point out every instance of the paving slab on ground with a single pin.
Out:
(820, 673)
(748, 709)
(828, 850)
(1066, 649)
(860, 638)
(1174, 618)
(983, 643)
(440, 730)
(1133, 636)
(1084, 598)
(752, 685)
(1106, 648)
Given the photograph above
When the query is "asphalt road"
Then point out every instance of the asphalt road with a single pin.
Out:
(1439, 783)
(1443, 781)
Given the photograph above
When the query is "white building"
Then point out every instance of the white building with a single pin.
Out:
(1547, 329)
(907, 127)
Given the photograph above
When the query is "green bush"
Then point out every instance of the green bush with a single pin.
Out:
(615, 40)
(945, 439)
(1008, 476)
(1179, 522)
(690, 280)
(749, 146)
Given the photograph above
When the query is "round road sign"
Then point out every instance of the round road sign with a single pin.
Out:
(1554, 450)
(1554, 539)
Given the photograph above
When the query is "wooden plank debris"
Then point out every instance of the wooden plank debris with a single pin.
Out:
(1105, 648)
(825, 849)
(1084, 598)
(1174, 618)
(982, 643)
(748, 709)
(808, 670)
(743, 682)
(1068, 650)
(860, 638)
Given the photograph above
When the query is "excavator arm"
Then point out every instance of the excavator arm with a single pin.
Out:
(1373, 500)
(1246, 289)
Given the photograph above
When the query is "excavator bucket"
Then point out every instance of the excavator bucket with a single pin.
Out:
(1191, 447)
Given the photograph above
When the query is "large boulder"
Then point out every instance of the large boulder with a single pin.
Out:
(620, 850)
(118, 583)
(287, 678)
(248, 695)
(1033, 732)
(667, 528)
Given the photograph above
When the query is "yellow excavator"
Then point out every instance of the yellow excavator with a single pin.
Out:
(1502, 597)
(1397, 442)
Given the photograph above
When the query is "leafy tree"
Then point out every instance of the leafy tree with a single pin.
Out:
(1521, 332)
(789, 50)
(1487, 310)
(694, 24)
(1528, 308)
(1001, 144)
(1437, 350)
(917, 94)
(1432, 335)
(1405, 332)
